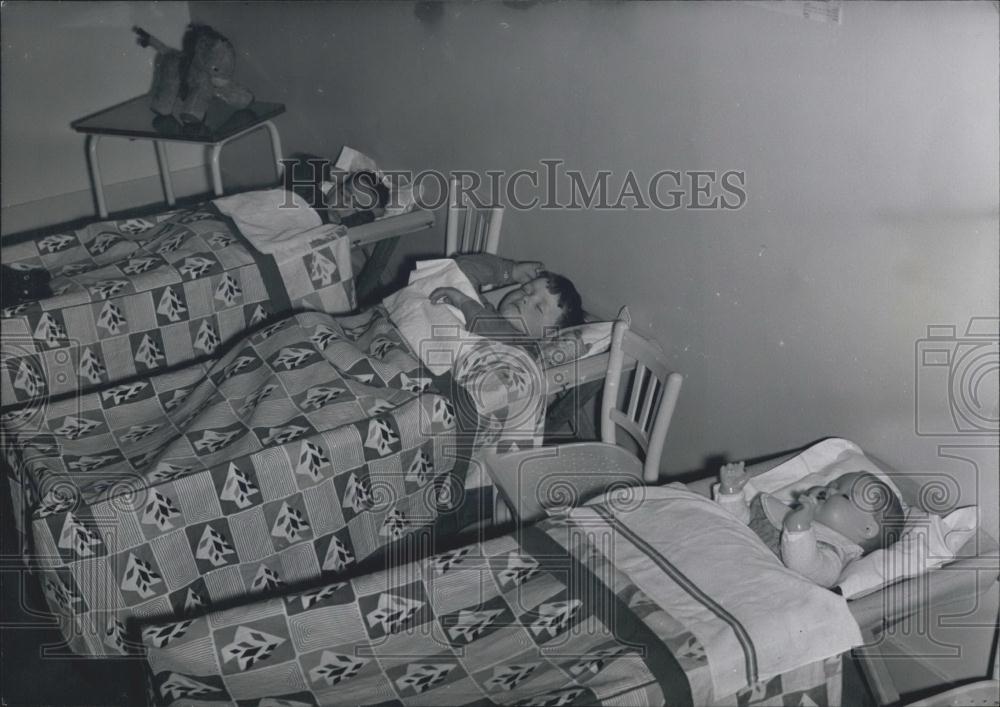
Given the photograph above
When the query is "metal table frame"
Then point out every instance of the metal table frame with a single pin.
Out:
(215, 151)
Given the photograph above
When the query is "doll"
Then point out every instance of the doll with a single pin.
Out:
(827, 528)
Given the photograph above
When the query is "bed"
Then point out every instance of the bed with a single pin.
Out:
(314, 442)
(589, 607)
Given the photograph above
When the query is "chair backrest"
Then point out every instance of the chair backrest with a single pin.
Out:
(640, 403)
(471, 229)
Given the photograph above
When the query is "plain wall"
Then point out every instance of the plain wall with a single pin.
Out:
(870, 150)
(62, 61)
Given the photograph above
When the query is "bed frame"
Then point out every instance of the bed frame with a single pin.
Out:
(384, 234)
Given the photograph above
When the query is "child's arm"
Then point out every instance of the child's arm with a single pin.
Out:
(732, 479)
(801, 552)
(485, 269)
(478, 319)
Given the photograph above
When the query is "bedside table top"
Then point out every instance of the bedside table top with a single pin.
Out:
(134, 118)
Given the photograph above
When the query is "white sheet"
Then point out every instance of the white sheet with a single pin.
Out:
(435, 332)
(774, 615)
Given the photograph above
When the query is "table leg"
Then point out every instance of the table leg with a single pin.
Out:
(164, 164)
(216, 153)
(275, 148)
(95, 175)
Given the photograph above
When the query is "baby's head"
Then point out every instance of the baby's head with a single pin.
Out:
(541, 306)
(861, 507)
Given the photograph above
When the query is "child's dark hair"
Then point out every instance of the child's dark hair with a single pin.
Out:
(569, 299)
(367, 183)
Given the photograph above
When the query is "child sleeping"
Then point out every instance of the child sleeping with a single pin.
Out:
(827, 528)
(543, 304)
(356, 198)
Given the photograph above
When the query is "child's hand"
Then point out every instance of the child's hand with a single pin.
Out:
(732, 478)
(802, 517)
(449, 295)
(526, 271)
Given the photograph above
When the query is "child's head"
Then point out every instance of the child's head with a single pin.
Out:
(357, 191)
(542, 305)
(861, 507)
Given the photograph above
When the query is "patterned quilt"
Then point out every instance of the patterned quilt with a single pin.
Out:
(309, 444)
(542, 616)
(139, 295)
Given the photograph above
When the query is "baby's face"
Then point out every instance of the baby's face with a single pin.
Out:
(532, 308)
(850, 504)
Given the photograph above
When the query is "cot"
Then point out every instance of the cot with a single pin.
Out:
(551, 613)
(313, 442)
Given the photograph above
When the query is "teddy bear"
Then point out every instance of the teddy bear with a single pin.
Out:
(186, 80)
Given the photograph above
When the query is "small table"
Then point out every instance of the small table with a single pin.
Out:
(135, 120)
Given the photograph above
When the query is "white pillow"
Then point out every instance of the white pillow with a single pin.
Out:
(928, 541)
(582, 341)
(816, 466)
(272, 219)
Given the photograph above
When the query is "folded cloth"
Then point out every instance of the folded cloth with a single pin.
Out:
(351, 160)
(274, 220)
(704, 567)
(435, 332)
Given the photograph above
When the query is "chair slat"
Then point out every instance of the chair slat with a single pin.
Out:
(471, 229)
(647, 409)
(481, 227)
(636, 347)
(493, 232)
(644, 411)
(630, 426)
(451, 243)
(636, 392)
(470, 218)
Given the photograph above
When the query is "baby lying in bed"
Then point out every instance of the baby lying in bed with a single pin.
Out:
(828, 526)
(544, 303)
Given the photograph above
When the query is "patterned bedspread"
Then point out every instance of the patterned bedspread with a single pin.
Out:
(135, 296)
(542, 616)
(309, 444)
